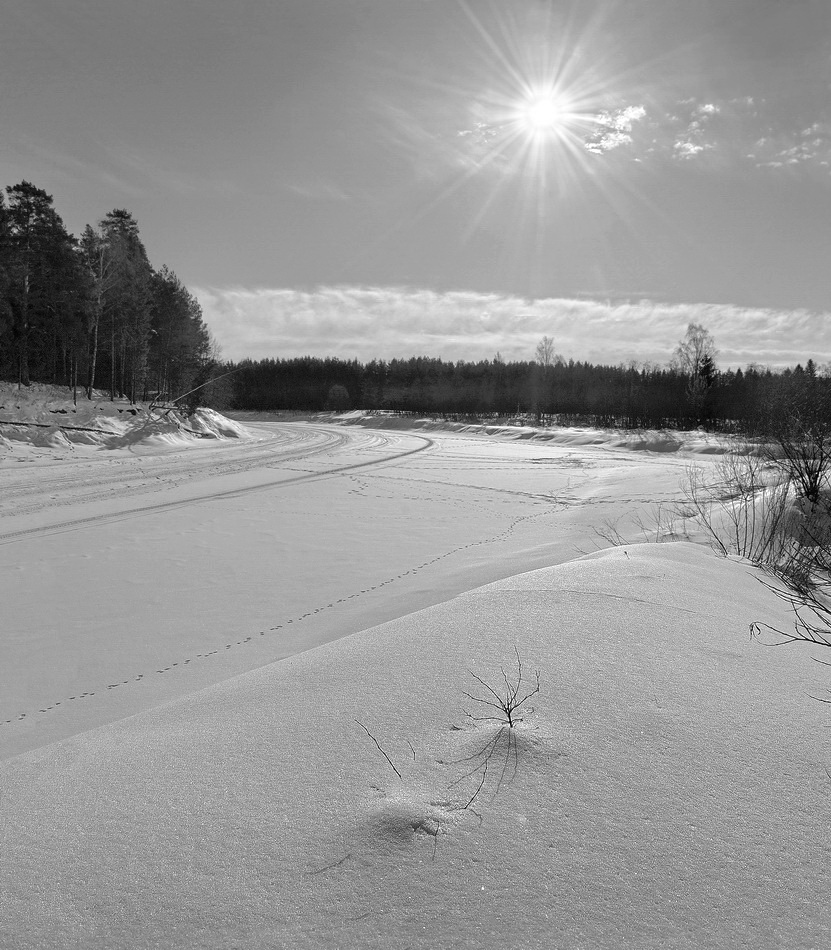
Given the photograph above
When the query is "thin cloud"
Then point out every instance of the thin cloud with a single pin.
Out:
(152, 169)
(67, 167)
(739, 131)
(615, 129)
(368, 323)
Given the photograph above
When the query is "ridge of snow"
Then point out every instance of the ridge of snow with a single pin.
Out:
(669, 788)
(642, 440)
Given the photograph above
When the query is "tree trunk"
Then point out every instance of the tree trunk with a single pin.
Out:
(94, 355)
(112, 364)
(21, 332)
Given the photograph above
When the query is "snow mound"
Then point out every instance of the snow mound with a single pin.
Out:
(209, 423)
(668, 790)
(52, 438)
(48, 417)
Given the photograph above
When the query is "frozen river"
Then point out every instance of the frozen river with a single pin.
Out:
(129, 578)
(261, 779)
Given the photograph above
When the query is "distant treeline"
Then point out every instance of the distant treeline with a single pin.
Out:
(568, 392)
(91, 311)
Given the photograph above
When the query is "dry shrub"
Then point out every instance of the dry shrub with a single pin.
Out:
(754, 510)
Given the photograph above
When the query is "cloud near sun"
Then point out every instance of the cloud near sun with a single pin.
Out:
(738, 129)
(381, 322)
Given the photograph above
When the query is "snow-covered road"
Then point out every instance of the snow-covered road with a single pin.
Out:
(130, 577)
(35, 488)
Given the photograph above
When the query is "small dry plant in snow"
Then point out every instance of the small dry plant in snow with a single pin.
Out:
(662, 526)
(507, 702)
(504, 705)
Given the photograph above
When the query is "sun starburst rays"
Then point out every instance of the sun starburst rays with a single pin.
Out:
(539, 101)
(534, 133)
(507, 138)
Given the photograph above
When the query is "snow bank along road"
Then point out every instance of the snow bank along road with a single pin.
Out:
(133, 576)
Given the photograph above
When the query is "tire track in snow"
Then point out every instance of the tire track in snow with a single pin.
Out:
(155, 473)
(337, 441)
(69, 475)
(76, 480)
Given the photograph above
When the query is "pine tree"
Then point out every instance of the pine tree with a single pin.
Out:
(180, 344)
(117, 264)
(5, 312)
(39, 276)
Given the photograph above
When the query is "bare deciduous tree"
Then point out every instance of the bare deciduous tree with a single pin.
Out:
(545, 352)
(695, 357)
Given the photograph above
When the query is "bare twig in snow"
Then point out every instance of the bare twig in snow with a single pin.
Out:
(812, 617)
(371, 736)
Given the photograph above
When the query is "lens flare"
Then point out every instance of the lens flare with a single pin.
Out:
(544, 114)
(539, 99)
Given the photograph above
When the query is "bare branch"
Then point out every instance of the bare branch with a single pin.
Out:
(371, 736)
(488, 688)
(485, 702)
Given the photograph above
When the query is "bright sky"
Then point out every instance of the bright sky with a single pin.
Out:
(510, 150)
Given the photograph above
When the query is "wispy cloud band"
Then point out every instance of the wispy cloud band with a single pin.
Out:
(368, 323)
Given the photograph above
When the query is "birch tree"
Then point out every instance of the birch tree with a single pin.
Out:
(695, 358)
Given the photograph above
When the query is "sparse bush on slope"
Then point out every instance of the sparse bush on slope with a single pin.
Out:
(760, 510)
(743, 507)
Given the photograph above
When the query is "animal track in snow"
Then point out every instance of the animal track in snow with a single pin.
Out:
(381, 585)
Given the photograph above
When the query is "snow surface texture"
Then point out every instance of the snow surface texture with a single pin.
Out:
(668, 788)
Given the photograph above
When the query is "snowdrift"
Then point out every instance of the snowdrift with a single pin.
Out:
(45, 417)
(642, 440)
(669, 787)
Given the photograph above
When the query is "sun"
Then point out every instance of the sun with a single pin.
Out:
(542, 115)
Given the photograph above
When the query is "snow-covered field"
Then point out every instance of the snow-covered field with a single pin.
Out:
(203, 639)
